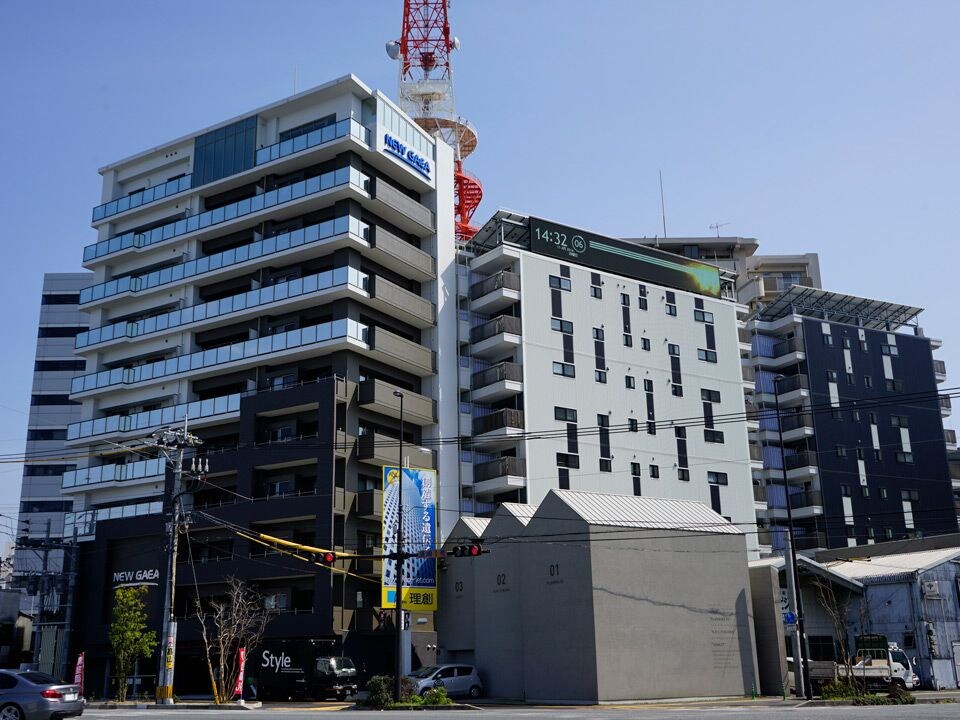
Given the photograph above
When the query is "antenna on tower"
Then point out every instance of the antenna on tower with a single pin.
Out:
(426, 95)
(663, 211)
(717, 226)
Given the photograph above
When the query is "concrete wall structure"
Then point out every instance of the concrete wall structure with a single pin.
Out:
(619, 599)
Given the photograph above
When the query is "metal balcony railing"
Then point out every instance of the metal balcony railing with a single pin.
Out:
(945, 402)
(775, 284)
(498, 420)
(503, 280)
(500, 468)
(748, 373)
(940, 367)
(499, 324)
(787, 346)
(793, 382)
(792, 422)
(501, 371)
(801, 459)
(756, 452)
(950, 436)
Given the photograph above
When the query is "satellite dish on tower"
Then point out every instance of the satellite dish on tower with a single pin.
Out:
(393, 50)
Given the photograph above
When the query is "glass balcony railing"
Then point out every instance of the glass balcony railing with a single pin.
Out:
(217, 261)
(266, 345)
(114, 473)
(235, 303)
(320, 136)
(279, 196)
(84, 523)
(264, 155)
(135, 200)
(196, 410)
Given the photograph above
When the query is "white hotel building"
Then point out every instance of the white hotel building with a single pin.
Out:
(601, 365)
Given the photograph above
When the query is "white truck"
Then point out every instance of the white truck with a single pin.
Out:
(879, 663)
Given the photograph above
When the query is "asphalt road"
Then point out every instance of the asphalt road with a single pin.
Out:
(666, 711)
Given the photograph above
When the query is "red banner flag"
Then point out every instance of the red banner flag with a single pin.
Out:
(241, 659)
(78, 673)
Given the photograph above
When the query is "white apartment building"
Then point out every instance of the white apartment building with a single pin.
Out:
(274, 280)
(603, 366)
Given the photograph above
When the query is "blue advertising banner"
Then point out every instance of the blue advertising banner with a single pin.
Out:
(419, 537)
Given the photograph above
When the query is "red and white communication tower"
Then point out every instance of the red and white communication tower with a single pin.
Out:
(426, 95)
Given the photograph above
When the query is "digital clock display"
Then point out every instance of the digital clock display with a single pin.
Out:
(623, 258)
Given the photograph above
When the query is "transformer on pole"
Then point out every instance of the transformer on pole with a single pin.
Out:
(426, 95)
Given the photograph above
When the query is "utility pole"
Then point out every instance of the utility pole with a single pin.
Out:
(70, 550)
(398, 662)
(801, 669)
(42, 586)
(172, 443)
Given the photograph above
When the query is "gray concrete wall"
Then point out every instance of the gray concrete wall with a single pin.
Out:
(559, 649)
(455, 617)
(673, 614)
(499, 591)
(768, 630)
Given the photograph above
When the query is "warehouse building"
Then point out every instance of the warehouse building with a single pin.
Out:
(595, 597)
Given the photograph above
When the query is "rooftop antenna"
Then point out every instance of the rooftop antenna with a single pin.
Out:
(717, 226)
(663, 211)
(424, 52)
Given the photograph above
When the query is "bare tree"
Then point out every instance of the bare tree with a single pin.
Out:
(235, 620)
(838, 606)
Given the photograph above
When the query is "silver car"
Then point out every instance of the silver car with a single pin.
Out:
(29, 695)
(458, 680)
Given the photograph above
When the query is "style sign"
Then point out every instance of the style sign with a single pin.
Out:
(419, 535)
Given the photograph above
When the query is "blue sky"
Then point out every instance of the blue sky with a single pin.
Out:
(815, 127)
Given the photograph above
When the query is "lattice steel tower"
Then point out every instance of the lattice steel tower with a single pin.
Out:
(426, 95)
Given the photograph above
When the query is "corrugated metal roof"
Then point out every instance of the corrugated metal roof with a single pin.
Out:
(520, 511)
(476, 524)
(891, 565)
(645, 512)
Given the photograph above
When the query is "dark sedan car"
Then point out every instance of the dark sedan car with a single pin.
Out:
(29, 695)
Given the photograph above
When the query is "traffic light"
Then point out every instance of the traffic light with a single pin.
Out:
(328, 558)
(473, 550)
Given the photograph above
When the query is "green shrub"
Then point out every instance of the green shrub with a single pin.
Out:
(837, 690)
(900, 696)
(437, 696)
(380, 688)
(896, 696)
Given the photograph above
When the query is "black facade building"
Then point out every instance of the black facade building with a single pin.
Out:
(861, 421)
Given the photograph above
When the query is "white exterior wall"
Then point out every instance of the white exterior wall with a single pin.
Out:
(543, 390)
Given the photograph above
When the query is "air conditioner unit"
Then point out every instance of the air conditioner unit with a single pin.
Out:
(931, 589)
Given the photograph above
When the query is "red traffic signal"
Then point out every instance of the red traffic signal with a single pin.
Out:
(328, 558)
(473, 550)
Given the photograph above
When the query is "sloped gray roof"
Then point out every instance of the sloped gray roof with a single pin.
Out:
(476, 524)
(645, 512)
(520, 511)
(901, 566)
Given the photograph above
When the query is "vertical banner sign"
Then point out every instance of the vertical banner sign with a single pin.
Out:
(419, 538)
(78, 673)
(170, 650)
(241, 659)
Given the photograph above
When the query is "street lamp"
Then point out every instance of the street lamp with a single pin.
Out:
(398, 622)
(793, 573)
